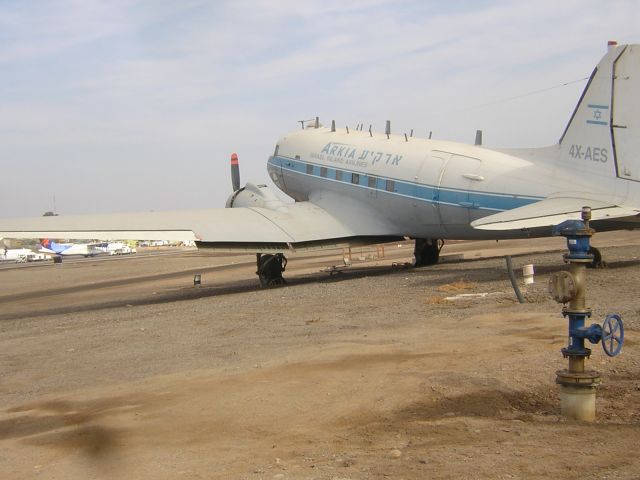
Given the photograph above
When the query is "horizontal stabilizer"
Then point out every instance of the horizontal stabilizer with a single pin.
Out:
(555, 210)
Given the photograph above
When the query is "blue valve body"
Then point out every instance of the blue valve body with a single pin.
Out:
(578, 248)
(577, 235)
(578, 333)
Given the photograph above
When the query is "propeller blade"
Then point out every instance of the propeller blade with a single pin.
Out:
(235, 172)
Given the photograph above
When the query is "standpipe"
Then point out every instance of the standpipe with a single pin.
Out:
(577, 384)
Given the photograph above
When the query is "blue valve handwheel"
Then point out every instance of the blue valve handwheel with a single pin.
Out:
(612, 334)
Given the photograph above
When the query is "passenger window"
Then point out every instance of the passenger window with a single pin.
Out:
(391, 186)
(372, 182)
(355, 178)
(323, 172)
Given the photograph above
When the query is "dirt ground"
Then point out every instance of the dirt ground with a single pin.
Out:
(121, 368)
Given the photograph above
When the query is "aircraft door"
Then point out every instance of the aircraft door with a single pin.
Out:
(426, 189)
(456, 199)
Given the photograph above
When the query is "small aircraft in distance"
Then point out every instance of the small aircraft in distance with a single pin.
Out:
(69, 249)
(85, 249)
(360, 187)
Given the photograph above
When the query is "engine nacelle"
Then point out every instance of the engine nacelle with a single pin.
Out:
(252, 195)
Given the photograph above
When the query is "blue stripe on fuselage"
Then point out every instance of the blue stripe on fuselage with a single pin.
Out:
(418, 191)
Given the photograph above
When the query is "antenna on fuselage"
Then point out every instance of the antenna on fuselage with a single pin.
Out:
(387, 129)
(370, 132)
(333, 125)
(311, 123)
(478, 138)
(347, 129)
(430, 132)
(411, 134)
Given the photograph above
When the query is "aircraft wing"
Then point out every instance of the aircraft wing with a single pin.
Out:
(555, 209)
(301, 225)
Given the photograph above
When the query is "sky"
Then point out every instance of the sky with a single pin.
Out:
(137, 105)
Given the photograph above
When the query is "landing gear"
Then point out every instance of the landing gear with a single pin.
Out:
(597, 259)
(427, 251)
(270, 268)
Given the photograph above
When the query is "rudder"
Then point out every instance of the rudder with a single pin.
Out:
(626, 108)
(600, 137)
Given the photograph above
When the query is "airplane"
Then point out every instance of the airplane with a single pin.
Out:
(69, 249)
(357, 187)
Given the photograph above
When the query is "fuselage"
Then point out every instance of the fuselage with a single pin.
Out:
(68, 249)
(425, 188)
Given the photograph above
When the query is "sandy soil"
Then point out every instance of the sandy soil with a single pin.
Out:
(120, 368)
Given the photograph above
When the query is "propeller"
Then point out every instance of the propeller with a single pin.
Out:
(235, 172)
(250, 195)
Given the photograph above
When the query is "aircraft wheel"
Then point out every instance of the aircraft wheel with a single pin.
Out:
(270, 268)
(597, 259)
(426, 251)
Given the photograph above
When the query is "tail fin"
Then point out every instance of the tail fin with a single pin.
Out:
(51, 245)
(603, 135)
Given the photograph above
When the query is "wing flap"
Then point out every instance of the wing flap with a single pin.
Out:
(554, 210)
